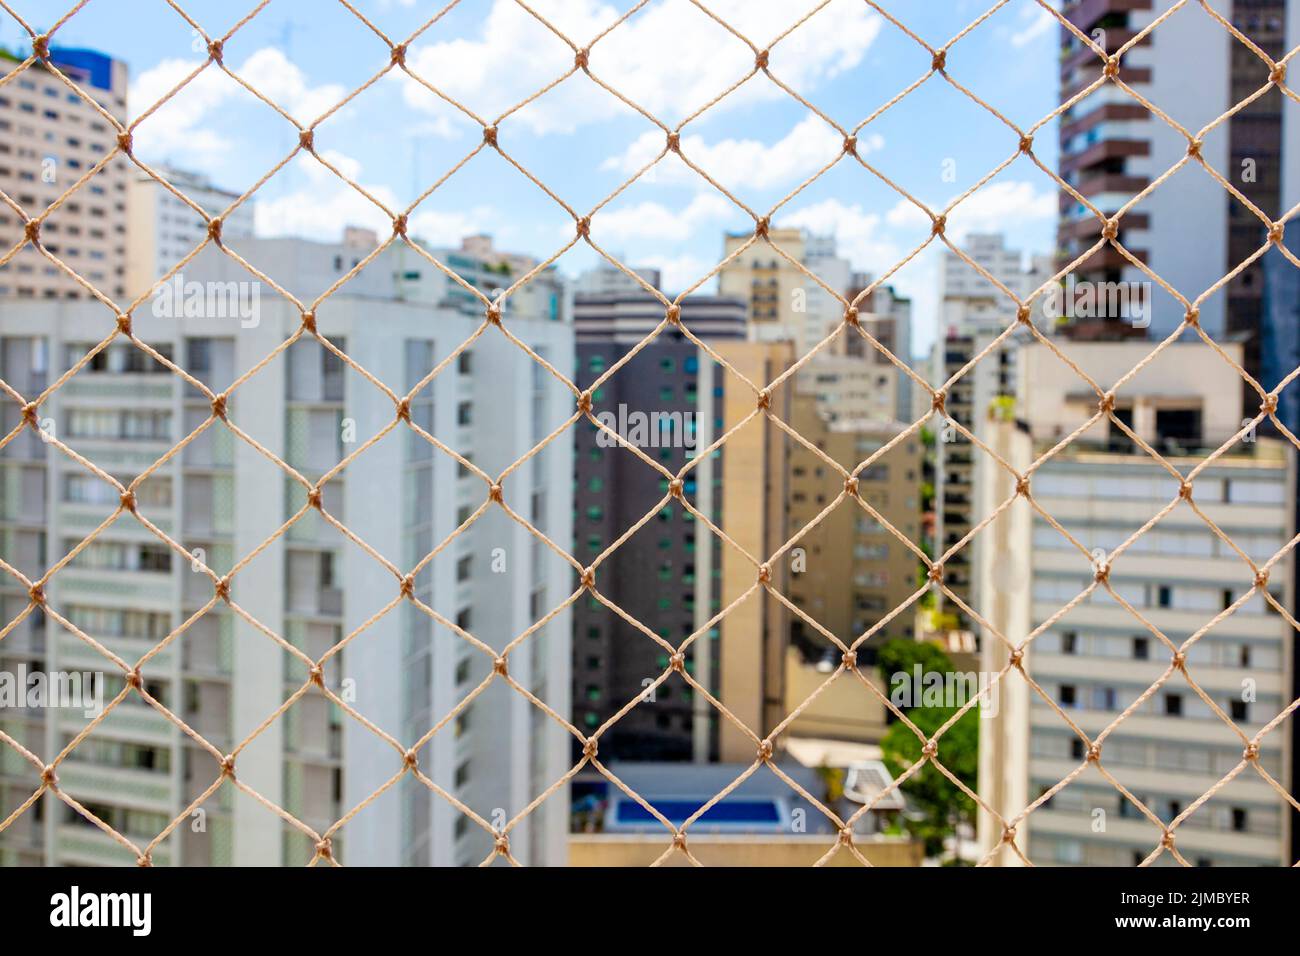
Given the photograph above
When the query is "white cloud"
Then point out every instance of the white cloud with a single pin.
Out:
(669, 58)
(988, 210)
(655, 221)
(1038, 25)
(741, 163)
(324, 205)
(180, 126)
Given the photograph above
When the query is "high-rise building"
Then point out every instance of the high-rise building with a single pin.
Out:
(1189, 230)
(851, 570)
(667, 401)
(1099, 658)
(222, 499)
(974, 312)
(162, 229)
(50, 137)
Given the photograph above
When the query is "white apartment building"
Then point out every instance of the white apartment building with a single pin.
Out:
(1098, 659)
(162, 230)
(222, 500)
(49, 139)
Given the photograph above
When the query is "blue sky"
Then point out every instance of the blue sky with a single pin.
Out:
(397, 138)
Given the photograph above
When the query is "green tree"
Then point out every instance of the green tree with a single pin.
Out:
(941, 804)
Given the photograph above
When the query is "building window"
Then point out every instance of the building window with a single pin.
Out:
(1173, 705)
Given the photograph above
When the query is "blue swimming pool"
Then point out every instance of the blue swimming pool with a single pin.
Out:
(732, 812)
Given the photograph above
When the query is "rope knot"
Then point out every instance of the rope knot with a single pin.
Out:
(675, 142)
(499, 667)
(216, 50)
(36, 593)
(851, 145)
(32, 230)
(584, 227)
(1261, 579)
(674, 315)
(314, 497)
(675, 487)
(48, 777)
(761, 227)
(1022, 314)
(309, 321)
(219, 405)
(1167, 840)
(502, 844)
(316, 675)
(399, 225)
(490, 135)
(1026, 143)
(125, 141)
(494, 493)
(324, 849)
(584, 403)
(1111, 69)
(846, 836)
(931, 749)
(1022, 487)
(1016, 657)
(760, 60)
(494, 314)
(937, 401)
(1278, 75)
(398, 55)
(29, 415)
(307, 139)
(765, 751)
(764, 574)
(124, 324)
(940, 60)
(407, 588)
(1269, 405)
(214, 230)
(1251, 753)
(1192, 317)
(133, 679)
(939, 223)
(677, 662)
(1107, 403)
(851, 316)
(228, 766)
(222, 589)
(1185, 490)
(679, 840)
(41, 46)
(935, 573)
(145, 859)
(410, 761)
(1194, 149)
(1008, 834)
(1110, 229)
(1094, 752)
(764, 399)
(851, 485)
(404, 410)
(128, 500)
(1275, 233)
(849, 659)
(590, 748)
(588, 578)
(1179, 660)
(1102, 574)
(581, 59)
